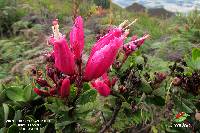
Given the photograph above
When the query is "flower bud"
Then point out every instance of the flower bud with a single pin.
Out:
(50, 73)
(176, 81)
(65, 88)
(77, 38)
(101, 87)
(197, 116)
(41, 92)
(52, 91)
(122, 89)
(42, 82)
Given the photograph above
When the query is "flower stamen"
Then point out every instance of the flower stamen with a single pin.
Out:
(123, 24)
(55, 29)
(142, 38)
(131, 23)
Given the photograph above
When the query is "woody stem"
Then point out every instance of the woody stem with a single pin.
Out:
(108, 124)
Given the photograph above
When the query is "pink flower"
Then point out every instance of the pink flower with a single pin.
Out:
(64, 59)
(77, 37)
(105, 40)
(64, 90)
(107, 81)
(141, 40)
(101, 60)
(130, 47)
(101, 87)
(134, 37)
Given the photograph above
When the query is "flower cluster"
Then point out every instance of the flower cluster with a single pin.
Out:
(66, 65)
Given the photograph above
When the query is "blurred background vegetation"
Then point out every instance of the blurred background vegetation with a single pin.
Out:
(26, 24)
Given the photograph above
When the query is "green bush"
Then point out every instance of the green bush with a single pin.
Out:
(9, 14)
(103, 3)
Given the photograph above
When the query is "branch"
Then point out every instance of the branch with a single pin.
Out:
(118, 105)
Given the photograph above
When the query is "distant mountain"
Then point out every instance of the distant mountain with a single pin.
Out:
(183, 6)
(135, 7)
(158, 12)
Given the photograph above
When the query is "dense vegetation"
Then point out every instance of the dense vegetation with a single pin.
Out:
(157, 82)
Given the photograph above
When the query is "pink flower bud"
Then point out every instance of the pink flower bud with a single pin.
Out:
(129, 48)
(141, 40)
(50, 57)
(77, 37)
(133, 38)
(114, 80)
(65, 88)
(52, 91)
(106, 79)
(55, 22)
(101, 87)
(50, 73)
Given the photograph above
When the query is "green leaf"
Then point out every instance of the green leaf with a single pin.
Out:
(196, 64)
(144, 86)
(86, 87)
(88, 127)
(130, 61)
(57, 109)
(31, 120)
(57, 106)
(139, 60)
(6, 111)
(18, 115)
(189, 103)
(2, 94)
(63, 124)
(182, 105)
(1, 116)
(154, 130)
(28, 91)
(3, 130)
(154, 66)
(194, 61)
(13, 129)
(161, 91)
(15, 93)
(87, 107)
(72, 91)
(195, 53)
(157, 100)
(88, 96)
